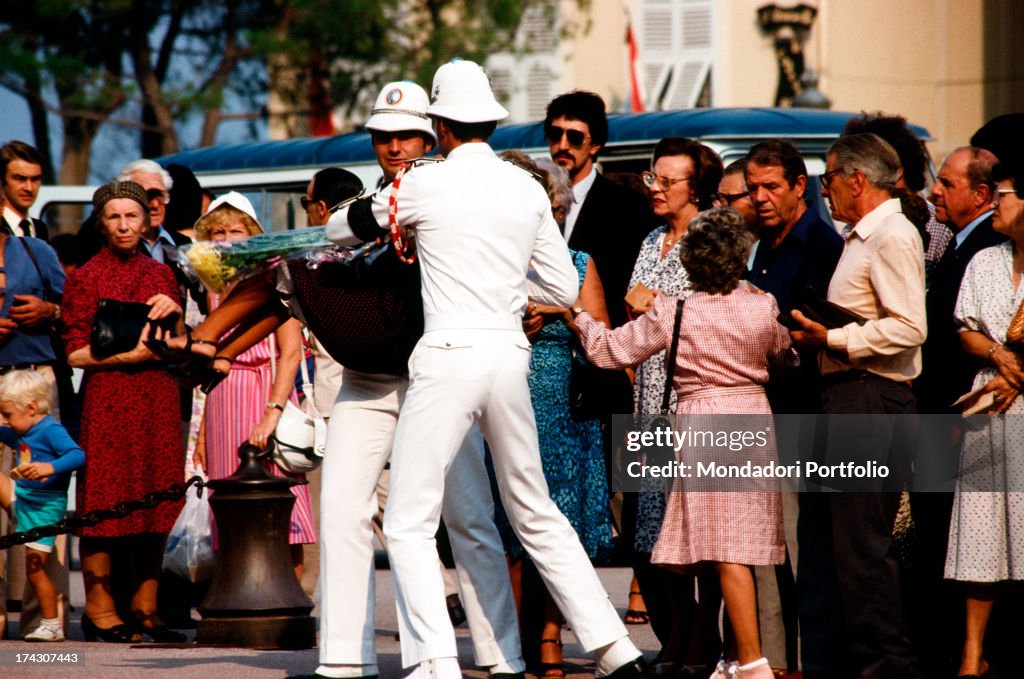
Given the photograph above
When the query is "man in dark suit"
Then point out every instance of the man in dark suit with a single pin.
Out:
(962, 196)
(963, 201)
(21, 175)
(607, 221)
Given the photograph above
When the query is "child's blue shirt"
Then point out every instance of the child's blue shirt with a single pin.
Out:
(48, 441)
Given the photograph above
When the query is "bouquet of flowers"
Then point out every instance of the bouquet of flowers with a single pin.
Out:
(219, 263)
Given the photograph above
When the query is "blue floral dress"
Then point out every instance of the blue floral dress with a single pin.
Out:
(571, 452)
(667, 275)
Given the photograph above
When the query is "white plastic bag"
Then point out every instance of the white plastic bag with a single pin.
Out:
(189, 551)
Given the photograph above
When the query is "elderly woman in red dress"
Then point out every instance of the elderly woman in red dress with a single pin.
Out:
(131, 431)
(729, 339)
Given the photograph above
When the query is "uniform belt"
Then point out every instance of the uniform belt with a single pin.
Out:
(4, 369)
(472, 321)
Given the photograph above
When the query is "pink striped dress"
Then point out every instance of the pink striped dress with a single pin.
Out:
(727, 344)
(233, 409)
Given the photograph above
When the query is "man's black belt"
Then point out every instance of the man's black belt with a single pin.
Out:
(4, 369)
(845, 376)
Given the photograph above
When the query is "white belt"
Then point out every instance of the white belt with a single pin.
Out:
(472, 321)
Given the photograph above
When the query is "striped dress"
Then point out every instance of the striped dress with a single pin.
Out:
(233, 409)
(726, 345)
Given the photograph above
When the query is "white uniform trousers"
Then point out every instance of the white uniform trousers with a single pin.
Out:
(359, 442)
(460, 377)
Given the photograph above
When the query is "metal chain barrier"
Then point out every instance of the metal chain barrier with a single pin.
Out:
(118, 511)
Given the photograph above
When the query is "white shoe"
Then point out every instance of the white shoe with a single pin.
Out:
(759, 669)
(724, 670)
(45, 633)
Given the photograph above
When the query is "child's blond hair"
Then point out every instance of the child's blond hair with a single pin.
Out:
(22, 387)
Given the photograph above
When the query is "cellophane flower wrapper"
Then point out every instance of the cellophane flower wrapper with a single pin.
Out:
(219, 263)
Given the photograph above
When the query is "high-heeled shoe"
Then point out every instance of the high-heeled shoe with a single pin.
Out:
(161, 634)
(213, 377)
(118, 634)
(179, 356)
(551, 670)
(200, 373)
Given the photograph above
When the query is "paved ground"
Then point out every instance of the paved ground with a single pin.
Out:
(114, 660)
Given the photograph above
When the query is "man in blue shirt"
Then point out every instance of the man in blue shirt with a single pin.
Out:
(32, 282)
(796, 249)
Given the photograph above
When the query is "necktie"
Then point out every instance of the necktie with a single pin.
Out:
(26, 228)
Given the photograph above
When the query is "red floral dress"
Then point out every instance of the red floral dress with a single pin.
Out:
(131, 423)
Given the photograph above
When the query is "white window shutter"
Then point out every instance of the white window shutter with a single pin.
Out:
(675, 44)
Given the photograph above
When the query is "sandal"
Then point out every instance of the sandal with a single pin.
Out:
(635, 616)
(179, 356)
(548, 670)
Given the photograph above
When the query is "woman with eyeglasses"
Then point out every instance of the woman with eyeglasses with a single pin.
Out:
(683, 180)
(986, 533)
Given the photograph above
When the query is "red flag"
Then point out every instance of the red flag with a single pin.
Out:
(636, 100)
(321, 123)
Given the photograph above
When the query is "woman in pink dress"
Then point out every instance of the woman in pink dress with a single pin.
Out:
(247, 404)
(729, 339)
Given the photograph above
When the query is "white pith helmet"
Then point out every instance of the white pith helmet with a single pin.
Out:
(462, 92)
(401, 106)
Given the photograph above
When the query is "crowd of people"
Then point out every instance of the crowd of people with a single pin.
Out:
(471, 380)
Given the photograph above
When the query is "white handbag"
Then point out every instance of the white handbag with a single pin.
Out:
(301, 434)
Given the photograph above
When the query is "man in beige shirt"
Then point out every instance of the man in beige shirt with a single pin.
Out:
(867, 368)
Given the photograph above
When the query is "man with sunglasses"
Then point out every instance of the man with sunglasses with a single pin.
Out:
(607, 221)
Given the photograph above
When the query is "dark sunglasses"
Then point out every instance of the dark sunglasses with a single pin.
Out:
(306, 202)
(729, 198)
(156, 194)
(554, 134)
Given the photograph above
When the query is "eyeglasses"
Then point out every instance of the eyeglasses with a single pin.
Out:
(664, 183)
(729, 198)
(158, 194)
(999, 193)
(826, 179)
(306, 202)
(554, 134)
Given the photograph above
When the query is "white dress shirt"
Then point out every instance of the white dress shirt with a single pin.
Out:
(880, 276)
(477, 249)
(579, 194)
(14, 220)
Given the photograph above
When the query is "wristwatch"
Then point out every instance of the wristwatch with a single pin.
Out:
(273, 404)
(576, 311)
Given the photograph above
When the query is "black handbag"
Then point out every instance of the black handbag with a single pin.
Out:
(117, 326)
(367, 311)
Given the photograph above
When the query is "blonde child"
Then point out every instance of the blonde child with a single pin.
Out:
(46, 456)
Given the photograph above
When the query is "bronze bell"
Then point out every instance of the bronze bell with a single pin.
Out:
(255, 600)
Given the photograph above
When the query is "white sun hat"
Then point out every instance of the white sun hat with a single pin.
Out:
(462, 92)
(401, 106)
(235, 200)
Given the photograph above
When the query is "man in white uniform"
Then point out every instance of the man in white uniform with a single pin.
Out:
(482, 226)
(360, 432)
